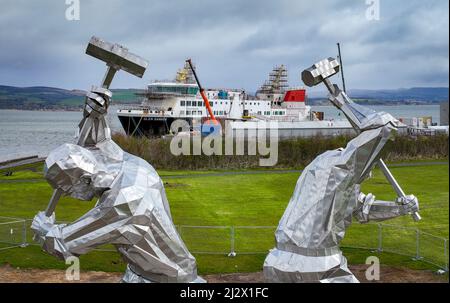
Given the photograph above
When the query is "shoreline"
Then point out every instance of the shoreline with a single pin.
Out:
(79, 109)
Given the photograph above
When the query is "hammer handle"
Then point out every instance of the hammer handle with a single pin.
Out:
(53, 201)
(395, 185)
(109, 75)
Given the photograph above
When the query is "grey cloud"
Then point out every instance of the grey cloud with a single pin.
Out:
(235, 43)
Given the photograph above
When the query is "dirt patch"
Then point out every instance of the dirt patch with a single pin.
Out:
(388, 274)
(10, 274)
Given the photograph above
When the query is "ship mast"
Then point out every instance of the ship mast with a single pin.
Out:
(185, 75)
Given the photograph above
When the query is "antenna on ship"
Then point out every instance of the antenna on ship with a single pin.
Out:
(342, 66)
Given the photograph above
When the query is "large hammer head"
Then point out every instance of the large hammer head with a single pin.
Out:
(116, 56)
(320, 71)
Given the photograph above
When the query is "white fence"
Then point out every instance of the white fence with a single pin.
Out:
(246, 240)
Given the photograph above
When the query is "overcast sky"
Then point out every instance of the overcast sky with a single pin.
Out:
(233, 43)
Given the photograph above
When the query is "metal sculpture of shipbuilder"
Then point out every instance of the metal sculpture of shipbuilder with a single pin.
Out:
(327, 195)
(132, 211)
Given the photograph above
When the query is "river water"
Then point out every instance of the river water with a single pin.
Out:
(27, 133)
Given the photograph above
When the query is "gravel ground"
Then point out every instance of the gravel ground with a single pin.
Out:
(9, 274)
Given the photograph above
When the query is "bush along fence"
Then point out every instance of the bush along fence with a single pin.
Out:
(292, 153)
(248, 240)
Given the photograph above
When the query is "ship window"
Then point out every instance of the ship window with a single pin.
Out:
(181, 112)
(192, 90)
(211, 104)
(188, 103)
(182, 102)
(259, 112)
(188, 112)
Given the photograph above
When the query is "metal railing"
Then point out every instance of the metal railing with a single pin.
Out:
(13, 232)
(247, 240)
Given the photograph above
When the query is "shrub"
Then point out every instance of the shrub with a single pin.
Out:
(292, 153)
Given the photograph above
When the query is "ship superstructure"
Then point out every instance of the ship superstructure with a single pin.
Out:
(165, 101)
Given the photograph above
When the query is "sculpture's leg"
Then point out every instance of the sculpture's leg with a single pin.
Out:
(340, 274)
(288, 267)
(131, 277)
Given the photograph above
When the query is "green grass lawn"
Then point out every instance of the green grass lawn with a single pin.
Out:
(239, 200)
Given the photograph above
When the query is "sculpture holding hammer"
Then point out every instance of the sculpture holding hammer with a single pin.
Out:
(132, 211)
(328, 195)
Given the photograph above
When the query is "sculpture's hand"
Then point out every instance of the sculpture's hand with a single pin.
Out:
(94, 128)
(49, 236)
(97, 102)
(42, 224)
(410, 204)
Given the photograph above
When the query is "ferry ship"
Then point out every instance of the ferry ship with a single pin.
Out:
(166, 101)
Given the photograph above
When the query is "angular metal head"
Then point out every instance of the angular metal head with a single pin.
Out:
(320, 71)
(116, 56)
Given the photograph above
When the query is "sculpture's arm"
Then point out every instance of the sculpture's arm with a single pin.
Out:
(370, 209)
(361, 117)
(94, 128)
(97, 227)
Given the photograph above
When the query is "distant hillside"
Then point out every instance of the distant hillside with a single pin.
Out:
(40, 97)
(414, 95)
(430, 94)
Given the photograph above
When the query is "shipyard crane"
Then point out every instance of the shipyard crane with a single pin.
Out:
(202, 93)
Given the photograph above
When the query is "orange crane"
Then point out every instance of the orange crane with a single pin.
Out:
(202, 93)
